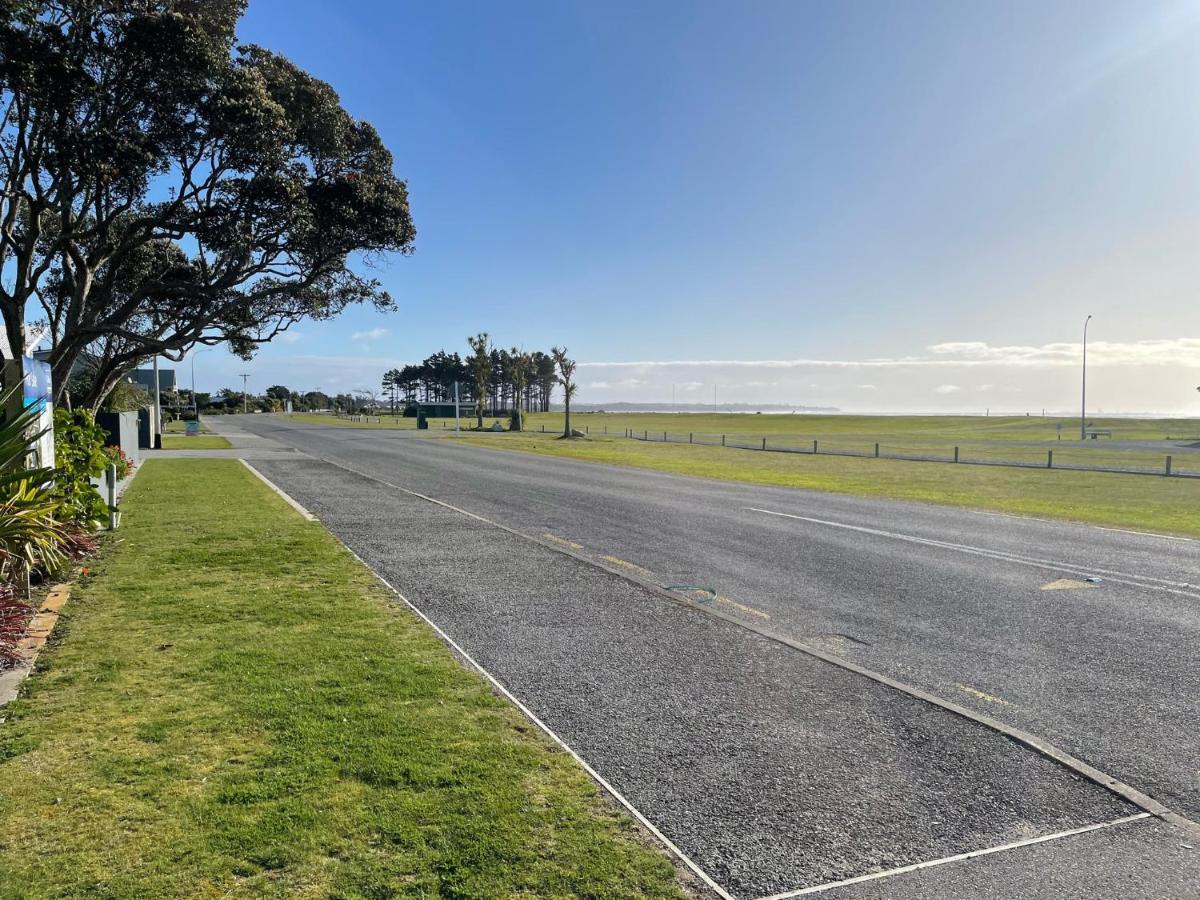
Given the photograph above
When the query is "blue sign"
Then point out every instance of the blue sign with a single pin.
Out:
(37, 382)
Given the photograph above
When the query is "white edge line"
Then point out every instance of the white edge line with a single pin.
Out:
(633, 810)
(1163, 585)
(287, 498)
(528, 713)
(819, 888)
(1152, 534)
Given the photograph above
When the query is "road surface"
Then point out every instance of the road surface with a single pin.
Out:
(770, 769)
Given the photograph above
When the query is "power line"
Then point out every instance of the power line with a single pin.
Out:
(245, 397)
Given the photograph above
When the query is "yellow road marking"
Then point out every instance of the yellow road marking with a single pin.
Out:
(633, 567)
(982, 696)
(750, 610)
(1068, 584)
(562, 542)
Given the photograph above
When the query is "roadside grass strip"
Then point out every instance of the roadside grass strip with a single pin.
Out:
(195, 442)
(236, 707)
(1097, 498)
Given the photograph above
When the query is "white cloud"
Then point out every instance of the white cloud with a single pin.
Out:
(866, 387)
(290, 337)
(947, 389)
(373, 335)
(1172, 352)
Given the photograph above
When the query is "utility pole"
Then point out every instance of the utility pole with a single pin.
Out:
(1083, 392)
(456, 426)
(245, 396)
(157, 408)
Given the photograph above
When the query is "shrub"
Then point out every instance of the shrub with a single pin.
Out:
(31, 532)
(119, 458)
(79, 452)
(14, 618)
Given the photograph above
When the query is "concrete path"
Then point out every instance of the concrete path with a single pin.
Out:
(246, 444)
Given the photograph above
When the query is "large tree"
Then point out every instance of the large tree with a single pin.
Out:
(162, 186)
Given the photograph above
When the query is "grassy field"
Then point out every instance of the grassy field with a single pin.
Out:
(385, 421)
(1010, 438)
(1023, 439)
(236, 708)
(1124, 501)
(196, 442)
(941, 430)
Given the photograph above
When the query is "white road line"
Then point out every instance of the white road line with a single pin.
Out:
(1151, 534)
(281, 492)
(617, 795)
(875, 876)
(528, 713)
(1181, 588)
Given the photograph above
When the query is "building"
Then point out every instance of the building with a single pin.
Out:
(144, 378)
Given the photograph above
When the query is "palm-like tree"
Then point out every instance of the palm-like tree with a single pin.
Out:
(481, 368)
(566, 377)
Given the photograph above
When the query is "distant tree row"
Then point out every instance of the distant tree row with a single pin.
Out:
(531, 377)
(493, 380)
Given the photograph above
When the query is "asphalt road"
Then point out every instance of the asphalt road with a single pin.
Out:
(770, 769)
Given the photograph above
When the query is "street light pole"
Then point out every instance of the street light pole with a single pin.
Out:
(1083, 391)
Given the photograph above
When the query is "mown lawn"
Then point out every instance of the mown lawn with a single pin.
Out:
(938, 430)
(195, 442)
(1142, 502)
(234, 707)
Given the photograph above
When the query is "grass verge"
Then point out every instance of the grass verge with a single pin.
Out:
(1141, 502)
(195, 442)
(235, 708)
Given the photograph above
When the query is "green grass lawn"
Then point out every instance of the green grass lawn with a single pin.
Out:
(1124, 501)
(196, 442)
(393, 422)
(179, 426)
(940, 430)
(1011, 438)
(235, 707)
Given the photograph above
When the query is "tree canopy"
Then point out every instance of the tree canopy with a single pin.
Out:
(164, 186)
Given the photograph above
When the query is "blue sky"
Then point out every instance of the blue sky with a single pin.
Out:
(875, 206)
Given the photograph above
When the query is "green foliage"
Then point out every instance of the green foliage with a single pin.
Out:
(79, 452)
(117, 457)
(127, 397)
(31, 535)
(274, 187)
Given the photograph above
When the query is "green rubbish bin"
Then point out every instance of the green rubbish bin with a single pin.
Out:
(422, 422)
